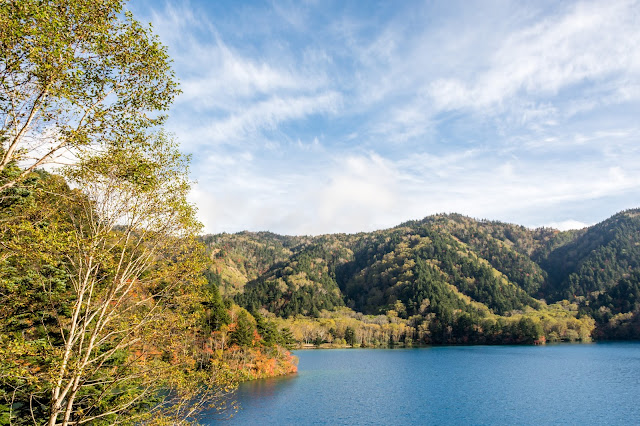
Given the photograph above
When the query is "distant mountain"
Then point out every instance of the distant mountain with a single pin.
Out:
(442, 267)
(242, 257)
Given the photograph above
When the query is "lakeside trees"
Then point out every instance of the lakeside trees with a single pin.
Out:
(344, 327)
(103, 306)
(103, 293)
(449, 278)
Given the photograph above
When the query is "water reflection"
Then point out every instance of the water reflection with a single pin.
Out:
(265, 388)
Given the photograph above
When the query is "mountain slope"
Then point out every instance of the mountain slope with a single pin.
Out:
(239, 258)
(441, 267)
(303, 284)
(596, 259)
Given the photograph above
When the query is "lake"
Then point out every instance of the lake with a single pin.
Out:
(553, 384)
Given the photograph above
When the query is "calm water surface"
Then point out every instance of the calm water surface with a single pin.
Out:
(556, 384)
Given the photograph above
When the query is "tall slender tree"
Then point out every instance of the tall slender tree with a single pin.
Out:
(100, 272)
(76, 76)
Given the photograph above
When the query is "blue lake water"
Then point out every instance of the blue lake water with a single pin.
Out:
(555, 384)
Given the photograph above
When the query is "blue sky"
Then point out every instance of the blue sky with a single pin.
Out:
(309, 117)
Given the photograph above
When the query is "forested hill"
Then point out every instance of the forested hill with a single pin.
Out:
(441, 270)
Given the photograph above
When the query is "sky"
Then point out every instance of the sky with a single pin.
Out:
(312, 117)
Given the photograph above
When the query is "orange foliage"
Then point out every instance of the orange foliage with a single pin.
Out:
(259, 363)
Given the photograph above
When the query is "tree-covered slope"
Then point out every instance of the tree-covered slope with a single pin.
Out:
(441, 266)
(303, 284)
(417, 265)
(413, 265)
(596, 259)
(506, 247)
(242, 257)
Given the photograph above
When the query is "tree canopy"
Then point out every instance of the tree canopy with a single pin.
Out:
(76, 77)
(101, 275)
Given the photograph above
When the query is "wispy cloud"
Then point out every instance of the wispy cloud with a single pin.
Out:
(239, 93)
(586, 43)
(322, 117)
(249, 122)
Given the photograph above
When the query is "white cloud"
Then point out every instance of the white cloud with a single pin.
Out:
(591, 41)
(568, 224)
(344, 195)
(358, 194)
(345, 122)
(268, 115)
(363, 192)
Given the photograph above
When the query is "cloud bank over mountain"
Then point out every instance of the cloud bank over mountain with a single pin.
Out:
(324, 117)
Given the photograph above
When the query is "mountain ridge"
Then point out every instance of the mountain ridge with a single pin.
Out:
(441, 266)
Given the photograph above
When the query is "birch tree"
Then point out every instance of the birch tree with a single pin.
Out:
(100, 271)
(114, 330)
(76, 76)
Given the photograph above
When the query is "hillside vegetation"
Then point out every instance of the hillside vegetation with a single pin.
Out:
(444, 279)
